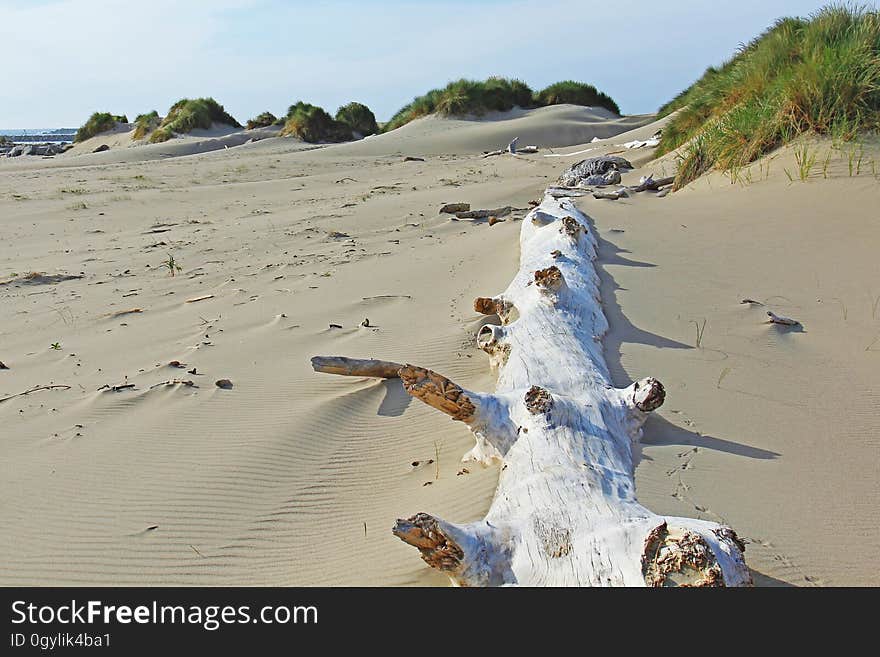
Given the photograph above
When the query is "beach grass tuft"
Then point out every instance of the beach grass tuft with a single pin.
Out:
(496, 94)
(98, 122)
(819, 75)
(189, 114)
(263, 120)
(575, 93)
(313, 124)
(359, 118)
(144, 124)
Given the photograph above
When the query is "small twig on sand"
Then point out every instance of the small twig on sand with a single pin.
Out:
(172, 382)
(201, 298)
(778, 319)
(34, 389)
(752, 301)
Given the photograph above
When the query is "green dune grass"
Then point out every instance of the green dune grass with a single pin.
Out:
(463, 97)
(261, 121)
(188, 114)
(98, 122)
(818, 75)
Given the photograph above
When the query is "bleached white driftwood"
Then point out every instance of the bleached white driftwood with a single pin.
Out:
(779, 319)
(565, 511)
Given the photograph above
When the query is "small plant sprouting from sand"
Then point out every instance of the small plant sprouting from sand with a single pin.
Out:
(875, 305)
(56, 346)
(79, 205)
(700, 329)
(173, 266)
(805, 159)
(842, 306)
(73, 190)
(825, 163)
(721, 376)
(436, 460)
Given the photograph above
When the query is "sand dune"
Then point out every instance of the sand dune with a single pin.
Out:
(291, 477)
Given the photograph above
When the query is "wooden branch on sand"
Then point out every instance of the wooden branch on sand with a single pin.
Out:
(512, 149)
(34, 389)
(565, 512)
(648, 183)
(381, 369)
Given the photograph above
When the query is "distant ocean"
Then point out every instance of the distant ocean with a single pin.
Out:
(39, 135)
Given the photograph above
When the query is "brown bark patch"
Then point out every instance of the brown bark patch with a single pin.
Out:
(437, 391)
(679, 559)
(550, 278)
(572, 227)
(423, 532)
(538, 400)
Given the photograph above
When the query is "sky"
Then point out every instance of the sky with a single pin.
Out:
(61, 60)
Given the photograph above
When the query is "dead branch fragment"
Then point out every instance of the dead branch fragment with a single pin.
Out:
(648, 183)
(381, 369)
(778, 319)
(454, 208)
(35, 389)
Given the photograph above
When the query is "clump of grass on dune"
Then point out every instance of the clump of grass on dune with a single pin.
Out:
(262, 121)
(816, 75)
(313, 124)
(98, 122)
(575, 93)
(466, 97)
(144, 124)
(187, 115)
(359, 118)
(496, 94)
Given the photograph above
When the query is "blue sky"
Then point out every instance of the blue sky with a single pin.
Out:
(60, 60)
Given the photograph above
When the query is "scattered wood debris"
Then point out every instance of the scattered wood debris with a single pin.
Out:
(176, 363)
(752, 301)
(226, 384)
(174, 382)
(201, 298)
(35, 389)
(366, 322)
(648, 183)
(453, 208)
(336, 326)
(613, 196)
(410, 158)
(130, 311)
(3, 366)
(124, 386)
(778, 319)
(494, 220)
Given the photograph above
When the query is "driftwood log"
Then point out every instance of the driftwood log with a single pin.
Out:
(565, 511)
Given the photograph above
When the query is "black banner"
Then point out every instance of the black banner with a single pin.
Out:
(119, 620)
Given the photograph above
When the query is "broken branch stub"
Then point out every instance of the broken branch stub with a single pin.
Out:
(565, 511)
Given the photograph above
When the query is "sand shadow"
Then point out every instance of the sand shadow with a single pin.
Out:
(621, 329)
(760, 579)
(658, 430)
(396, 399)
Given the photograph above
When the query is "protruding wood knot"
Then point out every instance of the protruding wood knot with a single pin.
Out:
(489, 336)
(679, 559)
(423, 532)
(572, 227)
(729, 536)
(648, 394)
(438, 392)
(538, 401)
(556, 254)
(550, 278)
(494, 306)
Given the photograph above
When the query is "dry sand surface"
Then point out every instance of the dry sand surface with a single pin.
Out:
(295, 478)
